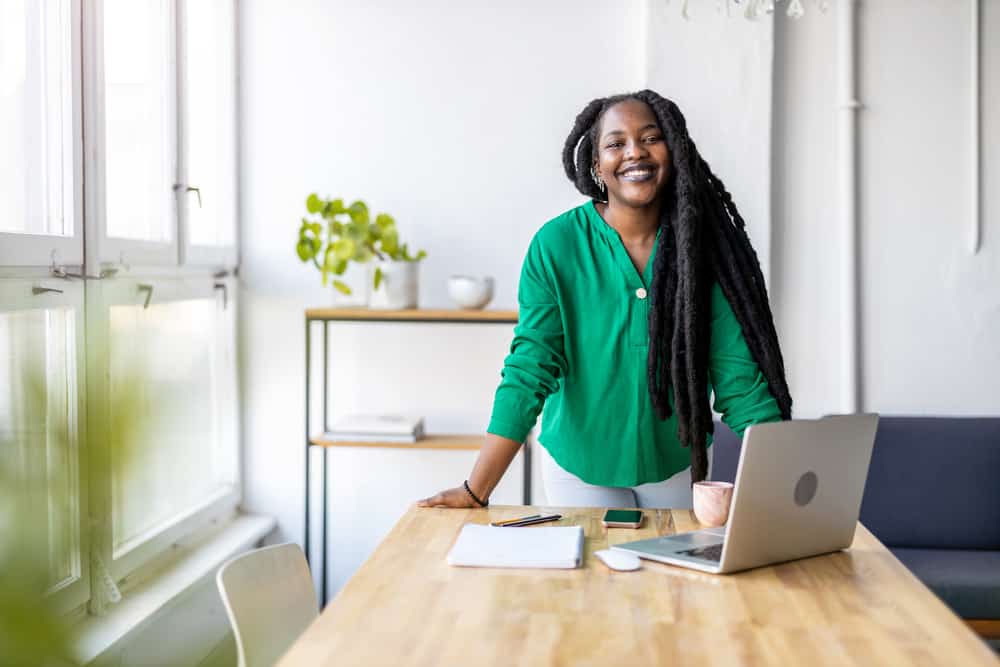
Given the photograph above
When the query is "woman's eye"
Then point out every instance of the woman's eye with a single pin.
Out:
(615, 144)
(653, 139)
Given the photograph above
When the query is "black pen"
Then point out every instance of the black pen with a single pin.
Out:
(533, 520)
(517, 520)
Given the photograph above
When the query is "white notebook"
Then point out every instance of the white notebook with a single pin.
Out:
(527, 547)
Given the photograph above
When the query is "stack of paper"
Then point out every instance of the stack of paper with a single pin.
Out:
(491, 546)
(377, 428)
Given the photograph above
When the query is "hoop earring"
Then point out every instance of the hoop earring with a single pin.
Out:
(598, 181)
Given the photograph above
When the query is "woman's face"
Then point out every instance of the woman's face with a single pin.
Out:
(632, 155)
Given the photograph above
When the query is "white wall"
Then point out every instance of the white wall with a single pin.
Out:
(805, 237)
(930, 309)
(717, 68)
(450, 116)
(192, 630)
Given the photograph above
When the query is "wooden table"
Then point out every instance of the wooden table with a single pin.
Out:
(407, 606)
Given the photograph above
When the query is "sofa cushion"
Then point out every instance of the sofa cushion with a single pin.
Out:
(935, 482)
(725, 453)
(968, 581)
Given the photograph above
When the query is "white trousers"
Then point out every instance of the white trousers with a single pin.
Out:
(564, 489)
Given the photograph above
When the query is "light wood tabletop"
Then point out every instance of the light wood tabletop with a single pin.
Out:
(407, 606)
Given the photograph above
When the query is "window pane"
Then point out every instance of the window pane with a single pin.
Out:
(185, 456)
(138, 122)
(37, 432)
(209, 121)
(36, 158)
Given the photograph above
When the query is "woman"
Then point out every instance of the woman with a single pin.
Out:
(634, 308)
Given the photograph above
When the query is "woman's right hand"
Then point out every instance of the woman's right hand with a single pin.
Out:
(456, 497)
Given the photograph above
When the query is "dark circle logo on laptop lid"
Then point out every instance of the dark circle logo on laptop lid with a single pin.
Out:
(805, 488)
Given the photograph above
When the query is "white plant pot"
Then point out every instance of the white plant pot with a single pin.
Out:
(359, 278)
(398, 289)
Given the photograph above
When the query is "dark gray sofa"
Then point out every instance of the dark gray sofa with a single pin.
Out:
(933, 498)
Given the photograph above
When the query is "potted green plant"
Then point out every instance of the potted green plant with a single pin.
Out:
(335, 236)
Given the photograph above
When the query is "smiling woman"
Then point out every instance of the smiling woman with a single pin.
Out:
(635, 307)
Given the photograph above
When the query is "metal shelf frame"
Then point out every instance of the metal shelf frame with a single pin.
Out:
(323, 317)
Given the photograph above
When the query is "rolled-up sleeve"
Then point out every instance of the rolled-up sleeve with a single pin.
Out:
(536, 361)
(742, 395)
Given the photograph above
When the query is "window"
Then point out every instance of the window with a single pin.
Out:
(39, 406)
(139, 129)
(170, 360)
(39, 129)
(164, 106)
(117, 365)
(208, 170)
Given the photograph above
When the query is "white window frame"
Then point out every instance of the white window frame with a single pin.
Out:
(111, 252)
(119, 254)
(34, 250)
(191, 254)
(213, 509)
(19, 294)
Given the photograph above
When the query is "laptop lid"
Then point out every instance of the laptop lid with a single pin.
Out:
(798, 489)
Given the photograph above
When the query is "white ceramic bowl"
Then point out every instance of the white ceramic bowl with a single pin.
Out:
(470, 292)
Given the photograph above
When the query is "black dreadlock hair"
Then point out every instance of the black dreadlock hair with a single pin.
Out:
(704, 239)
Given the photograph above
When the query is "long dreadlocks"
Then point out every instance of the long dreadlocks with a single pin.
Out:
(704, 239)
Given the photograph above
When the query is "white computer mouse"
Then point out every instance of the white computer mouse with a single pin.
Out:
(619, 560)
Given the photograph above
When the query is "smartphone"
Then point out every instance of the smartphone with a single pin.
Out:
(622, 519)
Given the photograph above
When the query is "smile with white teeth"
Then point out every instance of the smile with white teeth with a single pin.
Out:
(637, 174)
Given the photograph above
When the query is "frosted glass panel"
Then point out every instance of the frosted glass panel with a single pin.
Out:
(209, 121)
(37, 432)
(138, 122)
(36, 142)
(171, 369)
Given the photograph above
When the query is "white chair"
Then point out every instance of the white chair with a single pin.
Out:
(270, 599)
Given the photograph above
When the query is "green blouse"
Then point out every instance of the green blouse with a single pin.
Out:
(580, 349)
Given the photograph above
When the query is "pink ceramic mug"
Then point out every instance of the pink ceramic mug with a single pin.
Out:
(711, 502)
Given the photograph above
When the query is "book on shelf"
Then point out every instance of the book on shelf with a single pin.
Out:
(373, 428)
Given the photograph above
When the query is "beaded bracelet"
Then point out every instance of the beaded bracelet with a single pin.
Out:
(473, 496)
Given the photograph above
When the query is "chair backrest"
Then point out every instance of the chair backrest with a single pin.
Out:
(270, 599)
(934, 482)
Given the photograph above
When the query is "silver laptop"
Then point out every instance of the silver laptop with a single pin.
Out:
(798, 494)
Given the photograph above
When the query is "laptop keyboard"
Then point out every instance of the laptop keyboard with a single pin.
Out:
(713, 552)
